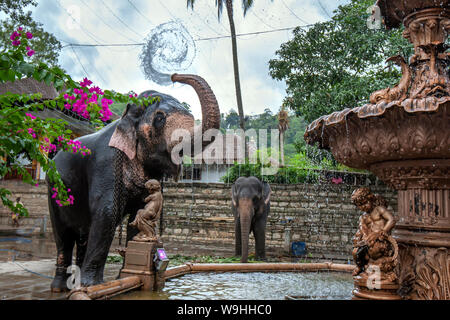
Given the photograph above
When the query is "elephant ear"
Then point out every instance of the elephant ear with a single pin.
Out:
(266, 192)
(233, 195)
(124, 137)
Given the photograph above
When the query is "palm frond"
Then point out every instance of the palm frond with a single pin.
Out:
(247, 4)
(219, 5)
(191, 3)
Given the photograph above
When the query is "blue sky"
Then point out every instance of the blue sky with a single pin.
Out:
(130, 21)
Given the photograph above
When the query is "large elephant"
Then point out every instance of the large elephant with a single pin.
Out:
(250, 203)
(109, 183)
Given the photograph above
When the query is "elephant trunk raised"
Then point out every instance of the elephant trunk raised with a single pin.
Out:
(208, 101)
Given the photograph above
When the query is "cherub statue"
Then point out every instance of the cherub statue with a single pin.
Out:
(373, 244)
(147, 218)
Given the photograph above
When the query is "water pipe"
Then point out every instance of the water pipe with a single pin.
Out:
(105, 290)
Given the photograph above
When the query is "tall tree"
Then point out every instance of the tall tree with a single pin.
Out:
(246, 4)
(46, 45)
(337, 64)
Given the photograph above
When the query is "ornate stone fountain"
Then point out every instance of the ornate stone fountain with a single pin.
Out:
(403, 136)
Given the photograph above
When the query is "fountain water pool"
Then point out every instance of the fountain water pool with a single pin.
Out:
(251, 286)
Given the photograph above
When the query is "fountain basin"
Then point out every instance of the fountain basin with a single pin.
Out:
(364, 136)
(252, 281)
(226, 281)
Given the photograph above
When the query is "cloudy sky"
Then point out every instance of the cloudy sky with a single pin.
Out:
(130, 21)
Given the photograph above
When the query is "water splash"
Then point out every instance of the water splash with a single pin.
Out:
(169, 48)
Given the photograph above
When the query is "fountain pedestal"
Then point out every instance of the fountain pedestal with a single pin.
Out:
(403, 137)
(139, 262)
(367, 289)
(423, 227)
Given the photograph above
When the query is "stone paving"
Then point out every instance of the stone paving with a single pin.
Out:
(25, 280)
(27, 266)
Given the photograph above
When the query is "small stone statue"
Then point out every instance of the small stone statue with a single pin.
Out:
(373, 244)
(147, 218)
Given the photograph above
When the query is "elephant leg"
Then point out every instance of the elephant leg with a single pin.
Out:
(81, 241)
(101, 236)
(238, 242)
(259, 231)
(65, 242)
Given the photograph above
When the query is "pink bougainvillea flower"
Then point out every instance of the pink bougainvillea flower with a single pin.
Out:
(30, 115)
(16, 43)
(20, 28)
(96, 90)
(14, 35)
(31, 131)
(30, 53)
(29, 35)
(86, 82)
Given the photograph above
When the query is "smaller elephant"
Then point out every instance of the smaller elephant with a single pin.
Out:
(250, 205)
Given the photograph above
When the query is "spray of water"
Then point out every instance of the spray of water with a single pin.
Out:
(169, 48)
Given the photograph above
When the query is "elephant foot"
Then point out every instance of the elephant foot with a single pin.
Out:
(89, 280)
(59, 283)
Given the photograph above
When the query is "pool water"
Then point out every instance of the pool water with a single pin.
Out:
(252, 286)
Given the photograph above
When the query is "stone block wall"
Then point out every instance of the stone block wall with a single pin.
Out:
(198, 215)
(33, 198)
(322, 216)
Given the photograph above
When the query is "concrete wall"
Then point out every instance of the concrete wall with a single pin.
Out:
(198, 215)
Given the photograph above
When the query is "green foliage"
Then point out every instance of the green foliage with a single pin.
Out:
(118, 108)
(300, 168)
(14, 8)
(287, 175)
(337, 64)
(46, 45)
(24, 135)
(177, 259)
(114, 259)
(267, 120)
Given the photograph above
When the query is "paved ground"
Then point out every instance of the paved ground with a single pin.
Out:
(24, 280)
(27, 266)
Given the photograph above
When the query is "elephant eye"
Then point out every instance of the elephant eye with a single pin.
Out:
(159, 120)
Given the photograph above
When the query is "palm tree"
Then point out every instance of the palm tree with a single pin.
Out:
(246, 4)
(283, 125)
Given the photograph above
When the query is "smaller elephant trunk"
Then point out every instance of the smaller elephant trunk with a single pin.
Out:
(246, 212)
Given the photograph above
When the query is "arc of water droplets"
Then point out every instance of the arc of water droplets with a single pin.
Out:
(169, 48)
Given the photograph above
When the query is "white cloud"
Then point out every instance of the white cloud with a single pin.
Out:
(118, 68)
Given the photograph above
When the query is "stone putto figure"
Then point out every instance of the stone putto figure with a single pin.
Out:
(373, 244)
(147, 218)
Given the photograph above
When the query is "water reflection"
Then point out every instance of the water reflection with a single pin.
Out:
(252, 286)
